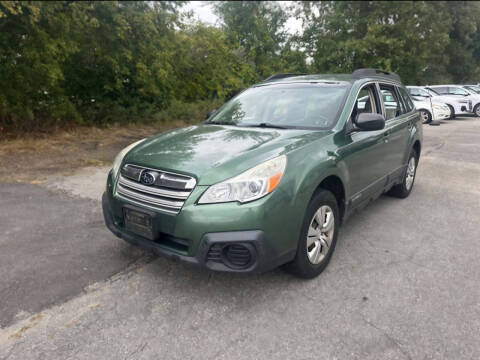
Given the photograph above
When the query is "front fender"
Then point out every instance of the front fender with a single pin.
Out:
(311, 171)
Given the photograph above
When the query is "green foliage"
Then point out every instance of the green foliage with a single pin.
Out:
(424, 42)
(101, 62)
(257, 30)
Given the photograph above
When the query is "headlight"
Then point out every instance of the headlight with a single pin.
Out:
(118, 159)
(440, 107)
(250, 185)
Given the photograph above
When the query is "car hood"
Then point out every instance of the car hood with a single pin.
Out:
(213, 153)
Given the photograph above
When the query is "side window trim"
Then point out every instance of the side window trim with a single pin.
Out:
(406, 107)
(380, 97)
(403, 107)
(399, 100)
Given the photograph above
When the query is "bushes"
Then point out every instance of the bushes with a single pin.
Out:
(99, 63)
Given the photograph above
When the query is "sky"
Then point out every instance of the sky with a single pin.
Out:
(202, 10)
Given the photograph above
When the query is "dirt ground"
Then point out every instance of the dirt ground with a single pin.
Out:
(32, 159)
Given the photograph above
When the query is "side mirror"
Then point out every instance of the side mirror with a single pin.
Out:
(370, 121)
(210, 113)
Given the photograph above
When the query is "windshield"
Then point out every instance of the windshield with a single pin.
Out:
(289, 105)
(474, 89)
(431, 91)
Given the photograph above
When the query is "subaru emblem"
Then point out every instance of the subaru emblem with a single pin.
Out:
(147, 178)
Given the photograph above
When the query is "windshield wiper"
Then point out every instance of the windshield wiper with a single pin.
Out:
(219, 123)
(266, 125)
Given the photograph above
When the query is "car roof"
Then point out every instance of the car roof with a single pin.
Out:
(363, 75)
(324, 78)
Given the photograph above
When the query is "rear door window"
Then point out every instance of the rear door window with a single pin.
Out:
(391, 101)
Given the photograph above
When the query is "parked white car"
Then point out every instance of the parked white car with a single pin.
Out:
(430, 105)
(460, 92)
(474, 88)
(458, 105)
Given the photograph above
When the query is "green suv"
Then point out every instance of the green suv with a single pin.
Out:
(269, 177)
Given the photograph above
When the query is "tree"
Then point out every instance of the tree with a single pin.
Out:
(409, 38)
(257, 28)
(464, 46)
(33, 43)
(205, 66)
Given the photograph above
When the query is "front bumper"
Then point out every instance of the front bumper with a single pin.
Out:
(441, 114)
(264, 257)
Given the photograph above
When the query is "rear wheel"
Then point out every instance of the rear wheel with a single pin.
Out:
(403, 189)
(317, 237)
(426, 116)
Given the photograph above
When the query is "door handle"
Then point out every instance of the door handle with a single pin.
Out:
(386, 135)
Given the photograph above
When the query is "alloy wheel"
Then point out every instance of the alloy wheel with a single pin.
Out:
(410, 173)
(425, 117)
(320, 234)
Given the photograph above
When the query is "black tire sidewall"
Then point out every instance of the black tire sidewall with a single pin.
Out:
(301, 265)
(475, 109)
(452, 112)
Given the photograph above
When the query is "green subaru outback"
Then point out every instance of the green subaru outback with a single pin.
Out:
(269, 177)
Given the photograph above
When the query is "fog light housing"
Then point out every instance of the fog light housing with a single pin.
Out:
(234, 255)
(237, 255)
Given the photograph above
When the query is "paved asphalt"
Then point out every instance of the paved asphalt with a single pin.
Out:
(404, 282)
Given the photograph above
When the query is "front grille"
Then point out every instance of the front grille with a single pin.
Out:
(167, 193)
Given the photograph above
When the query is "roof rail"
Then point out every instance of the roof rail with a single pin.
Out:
(281, 76)
(360, 73)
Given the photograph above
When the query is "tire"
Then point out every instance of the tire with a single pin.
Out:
(476, 110)
(310, 260)
(426, 116)
(404, 189)
(452, 112)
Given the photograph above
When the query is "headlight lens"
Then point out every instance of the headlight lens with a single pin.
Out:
(440, 107)
(250, 185)
(118, 159)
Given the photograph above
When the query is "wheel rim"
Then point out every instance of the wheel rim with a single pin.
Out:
(410, 173)
(425, 117)
(320, 234)
(477, 111)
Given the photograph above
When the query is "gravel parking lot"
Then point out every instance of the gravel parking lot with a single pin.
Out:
(402, 284)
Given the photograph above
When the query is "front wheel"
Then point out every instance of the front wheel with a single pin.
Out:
(476, 110)
(317, 237)
(452, 112)
(403, 189)
(426, 116)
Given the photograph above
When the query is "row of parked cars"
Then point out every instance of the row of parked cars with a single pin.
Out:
(440, 102)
